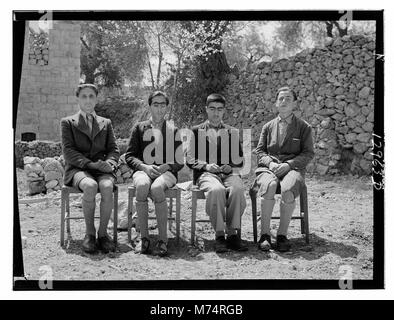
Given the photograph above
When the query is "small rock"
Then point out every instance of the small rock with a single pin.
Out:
(364, 92)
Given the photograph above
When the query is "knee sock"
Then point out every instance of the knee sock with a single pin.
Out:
(105, 214)
(267, 206)
(142, 212)
(161, 211)
(286, 211)
(88, 208)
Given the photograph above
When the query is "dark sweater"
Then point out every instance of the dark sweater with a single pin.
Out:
(160, 155)
(198, 161)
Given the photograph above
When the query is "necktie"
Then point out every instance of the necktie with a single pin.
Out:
(89, 118)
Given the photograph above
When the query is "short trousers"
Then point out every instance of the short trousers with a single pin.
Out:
(95, 176)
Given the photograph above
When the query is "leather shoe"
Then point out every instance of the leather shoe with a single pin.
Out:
(220, 245)
(105, 244)
(89, 243)
(145, 243)
(265, 242)
(234, 242)
(162, 248)
(282, 243)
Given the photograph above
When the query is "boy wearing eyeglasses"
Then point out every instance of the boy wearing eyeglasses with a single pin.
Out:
(151, 153)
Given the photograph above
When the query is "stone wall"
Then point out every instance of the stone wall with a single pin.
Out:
(39, 149)
(47, 91)
(335, 89)
(45, 149)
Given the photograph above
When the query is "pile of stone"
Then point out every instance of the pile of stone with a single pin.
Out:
(44, 175)
(335, 88)
(38, 48)
(53, 173)
(35, 175)
(124, 172)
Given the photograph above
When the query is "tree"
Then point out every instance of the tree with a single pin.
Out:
(246, 45)
(201, 66)
(297, 35)
(111, 51)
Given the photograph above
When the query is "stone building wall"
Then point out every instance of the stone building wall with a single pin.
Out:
(335, 89)
(47, 91)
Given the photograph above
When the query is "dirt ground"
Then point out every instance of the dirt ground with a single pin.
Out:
(341, 227)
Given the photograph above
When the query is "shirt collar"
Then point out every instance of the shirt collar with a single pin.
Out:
(83, 113)
(210, 126)
(151, 123)
(288, 119)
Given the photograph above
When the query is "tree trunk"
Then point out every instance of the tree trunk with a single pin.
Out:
(175, 86)
(89, 77)
(329, 26)
(151, 72)
(160, 60)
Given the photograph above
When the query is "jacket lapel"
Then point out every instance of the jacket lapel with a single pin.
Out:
(275, 133)
(97, 126)
(289, 132)
(81, 124)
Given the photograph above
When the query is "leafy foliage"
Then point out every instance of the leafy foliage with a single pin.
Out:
(201, 68)
(111, 52)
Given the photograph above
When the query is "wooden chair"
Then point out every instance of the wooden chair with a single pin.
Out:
(198, 194)
(66, 217)
(171, 193)
(303, 212)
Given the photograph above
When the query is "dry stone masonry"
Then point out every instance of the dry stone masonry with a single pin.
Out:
(38, 48)
(40, 149)
(124, 173)
(335, 89)
(44, 175)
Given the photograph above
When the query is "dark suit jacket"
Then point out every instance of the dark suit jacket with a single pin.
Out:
(296, 149)
(197, 161)
(135, 152)
(79, 148)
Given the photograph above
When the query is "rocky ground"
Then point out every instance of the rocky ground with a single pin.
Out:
(341, 226)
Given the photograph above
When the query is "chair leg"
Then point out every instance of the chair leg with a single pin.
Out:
(116, 216)
(193, 220)
(306, 215)
(178, 215)
(62, 215)
(129, 215)
(254, 216)
(170, 215)
(68, 213)
(302, 210)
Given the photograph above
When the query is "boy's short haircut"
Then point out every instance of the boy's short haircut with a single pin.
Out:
(156, 94)
(285, 89)
(216, 97)
(86, 85)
